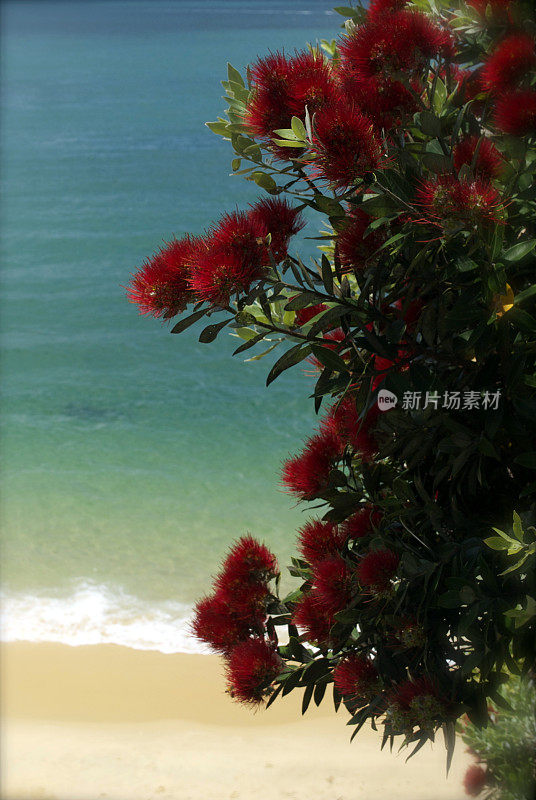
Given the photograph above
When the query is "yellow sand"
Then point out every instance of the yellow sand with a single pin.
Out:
(96, 722)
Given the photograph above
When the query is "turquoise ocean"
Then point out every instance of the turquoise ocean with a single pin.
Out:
(130, 457)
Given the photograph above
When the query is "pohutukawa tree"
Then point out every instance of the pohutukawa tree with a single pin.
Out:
(413, 137)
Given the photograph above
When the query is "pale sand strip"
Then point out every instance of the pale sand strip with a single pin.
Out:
(108, 722)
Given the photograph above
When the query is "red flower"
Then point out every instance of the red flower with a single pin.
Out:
(252, 666)
(318, 540)
(277, 218)
(313, 618)
(354, 250)
(332, 581)
(403, 41)
(475, 779)
(282, 88)
(345, 144)
(377, 8)
(307, 474)
(406, 693)
(509, 63)
(416, 702)
(516, 113)
(362, 522)
(234, 255)
(447, 201)
(355, 678)
(386, 102)
(376, 570)
(218, 626)
(161, 286)
(488, 162)
(343, 421)
(304, 315)
(243, 582)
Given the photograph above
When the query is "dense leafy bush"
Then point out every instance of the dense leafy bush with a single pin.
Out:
(413, 137)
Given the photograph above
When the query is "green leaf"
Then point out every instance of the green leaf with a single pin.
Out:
(327, 274)
(288, 359)
(429, 123)
(209, 333)
(187, 321)
(264, 180)
(302, 301)
(298, 128)
(436, 162)
(329, 206)
(307, 697)
(496, 543)
(520, 250)
(288, 143)
(328, 358)
(234, 75)
(525, 294)
(219, 128)
(521, 319)
(526, 460)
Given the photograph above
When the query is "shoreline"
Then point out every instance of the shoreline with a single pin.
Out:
(108, 722)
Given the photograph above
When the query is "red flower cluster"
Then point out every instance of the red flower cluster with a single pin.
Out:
(475, 779)
(333, 583)
(479, 153)
(307, 474)
(356, 678)
(232, 255)
(516, 113)
(447, 201)
(161, 287)
(283, 88)
(251, 668)
(353, 248)
(344, 423)
(362, 523)
(416, 702)
(237, 608)
(318, 540)
(376, 570)
(313, 618)
(509, 63)
(398, 41)
(345, 144)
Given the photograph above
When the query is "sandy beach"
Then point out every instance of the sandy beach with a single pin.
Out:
(104, 721)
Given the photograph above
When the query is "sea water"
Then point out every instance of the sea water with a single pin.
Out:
(131, 457)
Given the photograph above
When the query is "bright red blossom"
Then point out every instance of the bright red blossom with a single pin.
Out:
(362, 522)
(345, 145)
(353, 248)
(252, 666)
(215, 623)
(447, 201)
(318, 539)
(475, 779)
(243, 582)
(386, 102)
(313, 618)
(355, 678)
(307, 474)
(161, 286)
(510, 63)
(405, 41)
(376, 569)
(488, 162)
(283, 87)
(279, 219)
(516, 113)
(333, 583)
(304, 315)
(343, 421)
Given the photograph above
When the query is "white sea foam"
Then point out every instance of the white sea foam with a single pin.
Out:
(95, 614)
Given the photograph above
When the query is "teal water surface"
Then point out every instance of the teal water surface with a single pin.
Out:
(131, 457)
